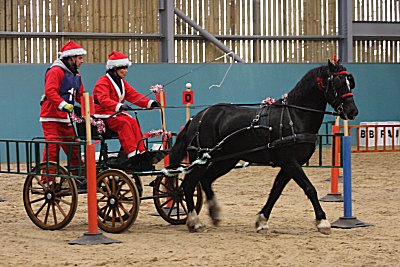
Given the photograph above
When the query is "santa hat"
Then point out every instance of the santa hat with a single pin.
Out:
(117, 59)
(71, 49)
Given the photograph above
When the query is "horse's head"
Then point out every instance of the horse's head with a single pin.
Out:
(339, 91)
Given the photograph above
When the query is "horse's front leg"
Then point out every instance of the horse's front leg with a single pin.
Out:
(189, 183)
(280, 182)
(302, 180)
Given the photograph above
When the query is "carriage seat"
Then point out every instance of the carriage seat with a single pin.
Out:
(108, 134)
(81, 129)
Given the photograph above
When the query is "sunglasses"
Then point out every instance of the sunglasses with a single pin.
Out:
(122, 68)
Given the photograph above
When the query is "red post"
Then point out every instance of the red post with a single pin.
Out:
(335, 159)
(92, 237)
(91, 188)
(162, 99)
(90, 170)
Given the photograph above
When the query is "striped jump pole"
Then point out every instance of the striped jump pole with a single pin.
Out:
(334, 195)
(348, 220)
(92, 237)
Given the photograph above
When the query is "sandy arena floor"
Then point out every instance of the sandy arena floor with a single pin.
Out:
(292, 241)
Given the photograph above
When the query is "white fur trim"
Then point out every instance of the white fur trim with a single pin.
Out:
(121, 96)
(149, 103)
(42, 119)
(118, 63)
(62, 104)
(72, 52)
(118, 106)
(131, 154)
(134, 153)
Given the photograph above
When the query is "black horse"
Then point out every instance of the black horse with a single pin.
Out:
(282, 134)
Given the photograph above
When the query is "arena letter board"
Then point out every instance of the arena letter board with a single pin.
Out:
(187, 97)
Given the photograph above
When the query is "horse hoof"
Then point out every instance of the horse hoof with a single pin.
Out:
(261, 224)
(325, 231)
(214, 210)
(197, 229)
(324, 227)
(216, 222)
(262, 229)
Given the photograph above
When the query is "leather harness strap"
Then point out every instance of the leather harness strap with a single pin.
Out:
(257, 123)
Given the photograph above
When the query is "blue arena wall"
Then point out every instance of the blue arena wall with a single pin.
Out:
(377, 91)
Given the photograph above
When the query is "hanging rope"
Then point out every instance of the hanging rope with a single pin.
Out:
(226, 74)
(156, 88)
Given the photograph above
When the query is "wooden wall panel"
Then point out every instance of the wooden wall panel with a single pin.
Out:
(219, 17)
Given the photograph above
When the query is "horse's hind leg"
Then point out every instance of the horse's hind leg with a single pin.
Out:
(302, 180)
(280, 182)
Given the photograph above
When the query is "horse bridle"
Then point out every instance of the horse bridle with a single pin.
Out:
(331, 82)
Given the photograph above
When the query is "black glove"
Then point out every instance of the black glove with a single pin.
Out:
(155, 104)
(124, 107)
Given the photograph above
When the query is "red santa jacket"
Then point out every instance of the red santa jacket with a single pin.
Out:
(53, 102)
(108, 97)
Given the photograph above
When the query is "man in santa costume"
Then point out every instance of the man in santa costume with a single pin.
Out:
(63, 86)
(109, 93)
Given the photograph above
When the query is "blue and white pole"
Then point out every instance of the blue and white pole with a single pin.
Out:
(347, 221)
(347, 198)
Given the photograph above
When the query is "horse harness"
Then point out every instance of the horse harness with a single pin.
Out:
(260, 121)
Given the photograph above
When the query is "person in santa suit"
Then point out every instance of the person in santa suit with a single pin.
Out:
(63, 86)
(110, 93)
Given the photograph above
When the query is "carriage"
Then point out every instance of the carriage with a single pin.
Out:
(282, 134)
(51, 189)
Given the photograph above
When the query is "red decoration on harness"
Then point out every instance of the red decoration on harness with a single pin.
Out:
(153, 133)
(320, 83)
(340, 73)
(346, 95)
(334, 58)
(156, 89)
(267, 101)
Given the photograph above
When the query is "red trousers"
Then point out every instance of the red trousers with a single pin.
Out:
(59, 132)
(129, 133)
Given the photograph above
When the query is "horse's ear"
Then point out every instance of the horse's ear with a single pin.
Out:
(331, 66)
(339, 62)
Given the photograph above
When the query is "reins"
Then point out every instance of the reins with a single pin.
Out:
(334, 113)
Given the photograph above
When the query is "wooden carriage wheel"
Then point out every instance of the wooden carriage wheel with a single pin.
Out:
(170, 201)
(117, 201)
(50, 202)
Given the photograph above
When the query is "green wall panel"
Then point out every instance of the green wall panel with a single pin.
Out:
(377, 90)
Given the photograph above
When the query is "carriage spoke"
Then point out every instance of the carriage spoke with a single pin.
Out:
(126, 201)
(40, 209)
(165, 203)
(171, 208)
(53, 208)
(125, 211)
(178, 213)
(63, 192)
(100, 190)
(184, 206)
(102, 209)
(121, 219)
(37, 200)
(107, 214)
(113, 217)
(61, 209)
(36, 190)
(47, 214)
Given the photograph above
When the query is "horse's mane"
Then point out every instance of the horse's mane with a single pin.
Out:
(308, 82)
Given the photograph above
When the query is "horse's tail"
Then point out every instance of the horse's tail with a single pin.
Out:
(178, 150)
